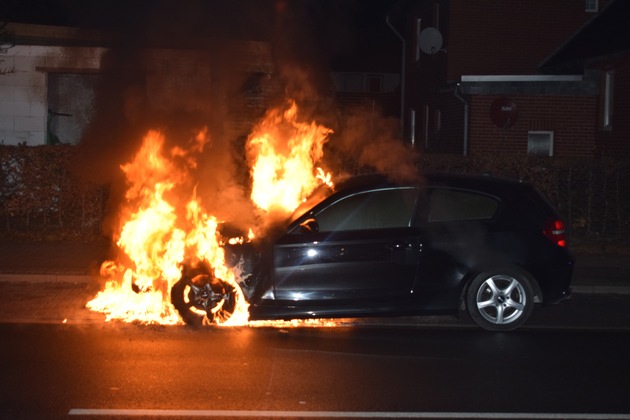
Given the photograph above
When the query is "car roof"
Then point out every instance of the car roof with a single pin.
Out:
(485, 183)
(521, 195)
(509, 190)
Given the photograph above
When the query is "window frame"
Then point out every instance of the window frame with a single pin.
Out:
(410, 216)
(423, 215)
(373, 77)
(609, 90)
(539, 132)
(591, 6)
(418, 53)
(71, 104)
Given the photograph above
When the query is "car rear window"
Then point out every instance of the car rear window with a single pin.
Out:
(380, 209)
(447, 205)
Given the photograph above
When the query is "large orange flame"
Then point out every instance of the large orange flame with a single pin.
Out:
(284, 153)
(164, 226)
(158, 234)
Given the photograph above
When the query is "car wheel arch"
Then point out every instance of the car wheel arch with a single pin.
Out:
(474, 272)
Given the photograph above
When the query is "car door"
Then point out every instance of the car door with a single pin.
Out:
(363, 249)
(456, 225)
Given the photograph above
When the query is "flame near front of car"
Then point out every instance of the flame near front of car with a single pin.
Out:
(164, 228)
(282, 151)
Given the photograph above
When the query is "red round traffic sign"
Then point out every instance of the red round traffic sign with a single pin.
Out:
(503, 112)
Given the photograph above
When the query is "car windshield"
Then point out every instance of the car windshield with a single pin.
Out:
(318, 195)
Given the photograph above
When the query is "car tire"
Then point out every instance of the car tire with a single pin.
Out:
(197, 296)
(500, 300)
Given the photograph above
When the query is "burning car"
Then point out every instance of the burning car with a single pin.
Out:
(373, 247)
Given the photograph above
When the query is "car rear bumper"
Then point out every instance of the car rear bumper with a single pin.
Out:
(558, 278)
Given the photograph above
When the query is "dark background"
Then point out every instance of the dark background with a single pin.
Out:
(345, 33)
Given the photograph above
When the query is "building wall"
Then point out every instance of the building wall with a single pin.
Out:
(508, 37)
(497, 37)
(37, 79)
(572, 119)
(440, 126)
(24, 87)
(355, 82)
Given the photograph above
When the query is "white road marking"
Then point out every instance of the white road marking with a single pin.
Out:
(340, 414)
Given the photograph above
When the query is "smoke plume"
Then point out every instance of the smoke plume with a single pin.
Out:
(181, 69)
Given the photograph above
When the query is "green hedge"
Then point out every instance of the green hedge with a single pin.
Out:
(40, 198)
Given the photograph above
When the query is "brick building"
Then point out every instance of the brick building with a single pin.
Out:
(474, 85)
(602, 47)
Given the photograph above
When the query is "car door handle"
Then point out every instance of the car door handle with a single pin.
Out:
(399, 245)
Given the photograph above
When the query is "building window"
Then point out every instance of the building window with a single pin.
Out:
(591, 6)
(412, 127)
(418, 30)
(609, 86)
(425, 126)
(438, 121)
(71, 104)
(431, 126)
(540, 143)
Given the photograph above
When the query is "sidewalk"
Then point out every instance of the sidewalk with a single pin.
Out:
(54, 258)
(601, 274)
(79, 262)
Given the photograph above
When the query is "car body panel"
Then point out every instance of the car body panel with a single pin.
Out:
(348, 265)
(451, 229)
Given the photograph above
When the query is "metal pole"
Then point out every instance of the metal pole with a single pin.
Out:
(402, 79)
(461, 98)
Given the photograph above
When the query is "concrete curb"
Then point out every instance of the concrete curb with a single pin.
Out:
(601, 290)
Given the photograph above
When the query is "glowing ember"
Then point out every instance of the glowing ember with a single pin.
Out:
(283, 153)
(166, 236)
(300, 323)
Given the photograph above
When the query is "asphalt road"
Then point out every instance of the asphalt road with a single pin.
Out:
(119, 371)
(64, 302)
(59, 360)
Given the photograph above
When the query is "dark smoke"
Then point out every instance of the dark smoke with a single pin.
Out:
(213, 89)
(141, 89)
(308, 36)
(367, 141)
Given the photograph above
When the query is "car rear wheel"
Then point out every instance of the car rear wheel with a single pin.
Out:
(500, 300)
(201, 298)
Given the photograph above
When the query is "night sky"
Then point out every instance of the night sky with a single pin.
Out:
(348, 33)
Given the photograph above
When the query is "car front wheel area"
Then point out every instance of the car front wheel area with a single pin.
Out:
(200, 298)
(500, 300)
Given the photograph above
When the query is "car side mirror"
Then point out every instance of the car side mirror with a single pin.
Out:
(309, 226)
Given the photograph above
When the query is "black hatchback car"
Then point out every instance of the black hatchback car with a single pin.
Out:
(376, 248)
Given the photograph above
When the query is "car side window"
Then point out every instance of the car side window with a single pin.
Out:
(447, 205)
(380, 209)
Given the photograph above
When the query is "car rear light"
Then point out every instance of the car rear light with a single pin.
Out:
(554, 230)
